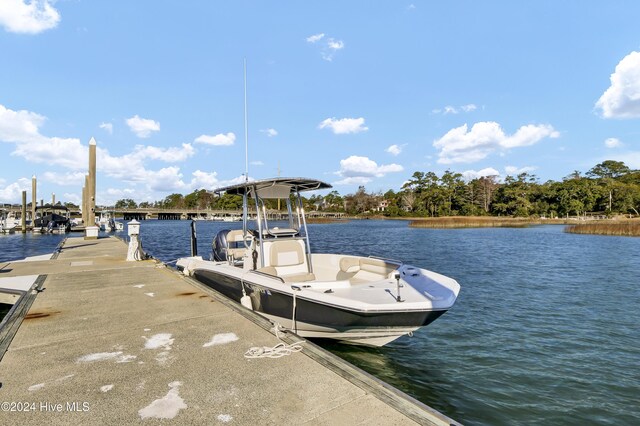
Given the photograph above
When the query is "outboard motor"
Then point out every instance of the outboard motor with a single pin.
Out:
(220, 246)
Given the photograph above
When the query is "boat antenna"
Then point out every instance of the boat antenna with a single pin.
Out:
(246, 127)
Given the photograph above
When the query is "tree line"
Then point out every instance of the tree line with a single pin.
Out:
(607, 188)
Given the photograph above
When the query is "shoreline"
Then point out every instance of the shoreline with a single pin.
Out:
(612, 227)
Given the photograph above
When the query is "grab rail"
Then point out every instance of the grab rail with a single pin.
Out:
(386, 259)
(264, 274)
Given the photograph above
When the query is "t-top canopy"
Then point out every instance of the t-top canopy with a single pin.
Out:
(275, 187)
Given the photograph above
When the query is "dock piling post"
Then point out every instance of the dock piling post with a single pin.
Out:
(33, 202)
(23, 219)
(194, 239)
(91, 230)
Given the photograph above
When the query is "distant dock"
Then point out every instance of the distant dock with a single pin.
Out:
(99, 340)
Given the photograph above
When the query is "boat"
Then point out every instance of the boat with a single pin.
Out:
(52, 218)
(107, 222)
(8, 222)
(270, 269)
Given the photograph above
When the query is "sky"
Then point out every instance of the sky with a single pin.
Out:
(351, 93)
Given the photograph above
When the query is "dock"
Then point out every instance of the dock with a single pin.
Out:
(99, 340)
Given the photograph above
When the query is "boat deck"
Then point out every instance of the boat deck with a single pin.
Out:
(115, 342)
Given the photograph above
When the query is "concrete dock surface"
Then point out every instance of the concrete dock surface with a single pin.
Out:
(114, 342)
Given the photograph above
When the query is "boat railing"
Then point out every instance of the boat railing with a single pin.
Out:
(267, 275)
(387, 260)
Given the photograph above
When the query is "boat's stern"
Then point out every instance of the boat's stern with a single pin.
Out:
(187, 264)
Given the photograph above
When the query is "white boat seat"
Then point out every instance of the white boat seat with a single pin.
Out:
(288, 261)
(364, 269)
(235, 248)
(291, 278)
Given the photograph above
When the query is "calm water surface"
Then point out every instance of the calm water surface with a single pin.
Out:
(545, 330)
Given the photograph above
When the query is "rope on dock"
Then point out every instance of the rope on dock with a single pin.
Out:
(277, 351)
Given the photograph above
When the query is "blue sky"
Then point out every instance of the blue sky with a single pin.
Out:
(353, 93)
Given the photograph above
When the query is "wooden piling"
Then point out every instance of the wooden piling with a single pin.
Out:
(23, 219)
(33, 201)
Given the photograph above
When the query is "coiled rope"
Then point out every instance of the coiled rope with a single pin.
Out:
(277, 351)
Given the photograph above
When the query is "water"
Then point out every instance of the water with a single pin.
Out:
(18, 245)
(545, 330)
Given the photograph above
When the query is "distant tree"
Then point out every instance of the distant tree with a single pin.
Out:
(334, 201)
(126, 203)
(609, 169)
(360, 202)
(173, 201)
(515, 196)
(606, 173)
(407, 200)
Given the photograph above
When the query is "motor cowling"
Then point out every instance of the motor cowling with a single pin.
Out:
(220, 245)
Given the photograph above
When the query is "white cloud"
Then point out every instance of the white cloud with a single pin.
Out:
(69, 178)
(515, 171)
(328, 47)
(335, 44)
(356, 180)
(613, 143)
(168, 155)
(217, 140)
(361, 170)
(622, 98)
(116, 192)
(204, 180)
(167, 179)
(394, 149)
(107, 126)
(22, 129)
(256, 163)
(461, 145)
(13, 191)
(18, 16)
(72, 197)
(631, 159)
(472, 174)
(270, 132)
(19, 126)
(344, 125)
(142, 127)
(315, 38)
(65, 152)
(449, 109)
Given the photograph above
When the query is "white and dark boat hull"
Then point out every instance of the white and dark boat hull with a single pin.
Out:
(314, 319)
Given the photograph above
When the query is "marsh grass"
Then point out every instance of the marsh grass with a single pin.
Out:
(475, 222)
(626, 228)
(325, 220)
